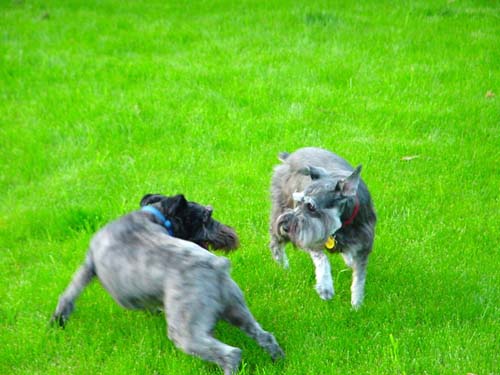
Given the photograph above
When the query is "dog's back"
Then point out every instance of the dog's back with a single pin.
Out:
(134, 258)
(315, 156)
(288, 179)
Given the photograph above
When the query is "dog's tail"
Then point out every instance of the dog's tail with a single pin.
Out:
(66, 303)
(282, 156)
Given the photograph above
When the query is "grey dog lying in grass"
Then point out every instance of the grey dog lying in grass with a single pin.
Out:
(154, 258)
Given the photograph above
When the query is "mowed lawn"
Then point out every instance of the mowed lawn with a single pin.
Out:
(104, 101)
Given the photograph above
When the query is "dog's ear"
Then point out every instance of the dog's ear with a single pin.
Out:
(151, 198)
(348, 187)
(282, 156)
(207, 214)
(174, 204)
(314, 172)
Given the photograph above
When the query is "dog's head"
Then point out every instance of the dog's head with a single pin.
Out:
(320, 209)
(193, 222)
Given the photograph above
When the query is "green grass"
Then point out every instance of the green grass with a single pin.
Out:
(104, 101)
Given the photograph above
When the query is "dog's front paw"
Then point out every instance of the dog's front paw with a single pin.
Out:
(325, 291)
(268, 342)
(282, 260)
(356, 303)
(277, 353)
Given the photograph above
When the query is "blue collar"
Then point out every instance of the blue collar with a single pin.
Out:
(166, 223)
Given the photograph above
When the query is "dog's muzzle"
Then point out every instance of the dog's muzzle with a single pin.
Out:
(222, 237)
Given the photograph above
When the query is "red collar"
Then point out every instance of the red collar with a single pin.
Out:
(353, 215)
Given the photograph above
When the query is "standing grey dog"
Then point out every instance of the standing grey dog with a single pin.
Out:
(320, 202)
(154, 258)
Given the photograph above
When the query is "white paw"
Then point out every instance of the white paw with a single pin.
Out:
(325, 291)
(356, 303)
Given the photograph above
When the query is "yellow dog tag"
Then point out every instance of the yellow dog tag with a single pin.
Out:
(330, 243)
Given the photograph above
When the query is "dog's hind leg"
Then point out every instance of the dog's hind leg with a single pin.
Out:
(358, 264)
(66, 303)
(192, 313)
(237, 313)
(205, 346)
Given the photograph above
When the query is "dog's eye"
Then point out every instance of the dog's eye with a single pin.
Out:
(310, 207)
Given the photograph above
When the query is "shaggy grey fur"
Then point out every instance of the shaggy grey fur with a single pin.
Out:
(142, 267)
(314, 194)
